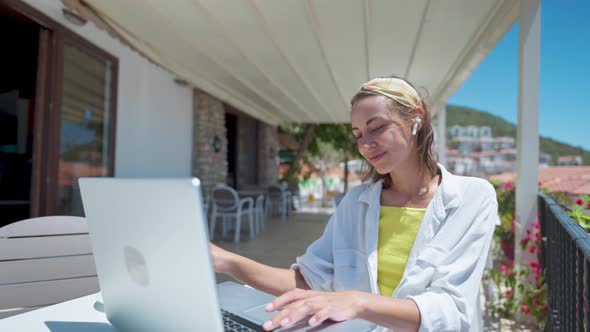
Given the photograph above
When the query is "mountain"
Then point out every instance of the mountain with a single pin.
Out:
(465, 116)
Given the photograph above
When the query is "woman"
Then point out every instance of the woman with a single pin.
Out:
(405, 250)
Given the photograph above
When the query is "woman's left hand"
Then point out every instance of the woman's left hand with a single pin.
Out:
(298, 304)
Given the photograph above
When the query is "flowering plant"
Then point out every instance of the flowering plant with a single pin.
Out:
(577, 212)
(522, 288)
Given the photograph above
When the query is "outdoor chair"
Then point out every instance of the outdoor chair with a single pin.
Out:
(259, 213)
(278, 201)
(206, 205)
(227, 205)
(44, 261)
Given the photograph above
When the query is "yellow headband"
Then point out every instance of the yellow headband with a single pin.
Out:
(396, 89)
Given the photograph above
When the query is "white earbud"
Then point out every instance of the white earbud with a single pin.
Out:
(417, 122)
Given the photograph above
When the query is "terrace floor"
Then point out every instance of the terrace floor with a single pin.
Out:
(280, 242)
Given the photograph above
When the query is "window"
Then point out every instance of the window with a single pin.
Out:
(86, 130)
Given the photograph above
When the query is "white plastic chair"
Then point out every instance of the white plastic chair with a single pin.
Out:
(206, 206)
(44, 261)
(259, 213)
(227, 205)
(278, 201)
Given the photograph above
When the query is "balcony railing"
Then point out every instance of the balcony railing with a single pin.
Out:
(566, 258)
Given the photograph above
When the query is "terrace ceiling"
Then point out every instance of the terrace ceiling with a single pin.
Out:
(302, 61)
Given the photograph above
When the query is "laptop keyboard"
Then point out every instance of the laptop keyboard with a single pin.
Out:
(233, 323)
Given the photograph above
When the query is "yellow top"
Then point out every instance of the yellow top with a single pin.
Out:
(398, 227)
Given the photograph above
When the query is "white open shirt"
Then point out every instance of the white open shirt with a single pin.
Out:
(446, 263)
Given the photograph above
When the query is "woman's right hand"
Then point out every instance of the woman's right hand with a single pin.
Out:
(220, 258)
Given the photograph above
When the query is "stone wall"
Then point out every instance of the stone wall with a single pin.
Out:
(209, 121)
(212, 167)
(268, 155)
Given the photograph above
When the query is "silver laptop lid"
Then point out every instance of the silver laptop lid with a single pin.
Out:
(151, 253)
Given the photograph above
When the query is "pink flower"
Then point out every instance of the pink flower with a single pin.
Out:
(534, 265)
(503, 268)
(509, 293)
(525, 241)
(509, 272)
(537, 224)
(533, 249)
(579, 202)
(511, 262)
(540, 183)
(588, 205)
(538, 235)
(545, 308)
(507, 185)
(528, 232)
(525, 308)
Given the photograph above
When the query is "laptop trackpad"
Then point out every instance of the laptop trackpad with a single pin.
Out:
(258, 314)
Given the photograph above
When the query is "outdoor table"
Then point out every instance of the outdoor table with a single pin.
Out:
(86, 314)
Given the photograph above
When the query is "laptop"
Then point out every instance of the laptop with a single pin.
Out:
(151, 250)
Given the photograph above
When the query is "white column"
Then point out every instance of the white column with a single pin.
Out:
(527, 141)
(442, 135)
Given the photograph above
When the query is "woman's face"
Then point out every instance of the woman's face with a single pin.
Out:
(382, 135)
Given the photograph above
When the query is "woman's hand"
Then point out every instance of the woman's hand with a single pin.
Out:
(221, 258)
(299, 304)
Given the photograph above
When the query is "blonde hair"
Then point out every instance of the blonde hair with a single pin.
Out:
(424, 136)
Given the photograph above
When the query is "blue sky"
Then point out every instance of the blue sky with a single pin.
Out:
(564, 110)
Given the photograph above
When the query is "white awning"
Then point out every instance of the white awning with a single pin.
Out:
(302, 61)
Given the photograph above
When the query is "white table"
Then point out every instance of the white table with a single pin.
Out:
(81, 314)
(86, 314)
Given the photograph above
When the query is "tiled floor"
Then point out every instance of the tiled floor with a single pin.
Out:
(279, 243)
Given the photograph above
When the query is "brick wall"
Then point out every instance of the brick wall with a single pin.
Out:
(211, 167)
(209, 121)
(268, 155)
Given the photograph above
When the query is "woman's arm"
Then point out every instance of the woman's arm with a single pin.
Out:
(316, 264)
(397, 314)
(265, 278)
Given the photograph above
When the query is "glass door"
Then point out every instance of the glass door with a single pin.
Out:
(86, 147)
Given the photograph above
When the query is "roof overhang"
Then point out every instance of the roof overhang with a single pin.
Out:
(302, 61)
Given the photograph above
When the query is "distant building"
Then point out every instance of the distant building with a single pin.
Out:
(569, 161)
(503, 142)
(470, 131)
(545, 159)
(474, 151)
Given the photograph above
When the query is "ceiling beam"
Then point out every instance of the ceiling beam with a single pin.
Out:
(278, 108)
(367, 21)
(315, 27)
(274, 39)
(416, 41)
(226, 32)
(230, 96)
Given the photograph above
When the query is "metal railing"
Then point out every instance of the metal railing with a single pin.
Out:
(566, 258)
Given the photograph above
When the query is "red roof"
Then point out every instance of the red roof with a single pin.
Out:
(569, 179)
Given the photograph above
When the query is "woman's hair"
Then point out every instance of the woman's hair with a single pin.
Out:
(425, 137)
